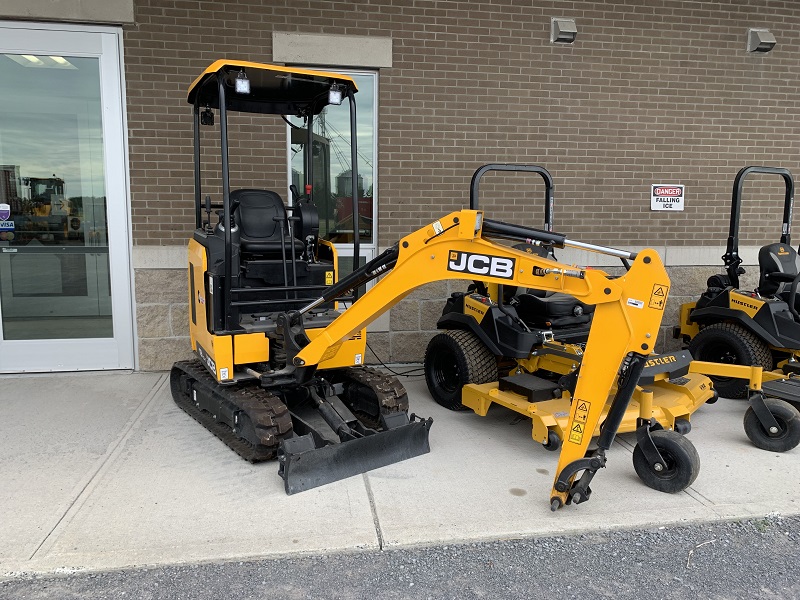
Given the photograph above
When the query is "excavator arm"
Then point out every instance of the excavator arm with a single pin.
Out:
(627, 317)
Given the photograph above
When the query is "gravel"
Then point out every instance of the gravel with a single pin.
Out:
(757, 558)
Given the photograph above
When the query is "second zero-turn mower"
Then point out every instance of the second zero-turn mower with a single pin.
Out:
(761, 327)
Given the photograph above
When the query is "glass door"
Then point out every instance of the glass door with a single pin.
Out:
(65, 284)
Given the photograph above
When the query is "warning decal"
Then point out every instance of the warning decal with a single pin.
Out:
(658, 298)
(578, 426)
(582, 411)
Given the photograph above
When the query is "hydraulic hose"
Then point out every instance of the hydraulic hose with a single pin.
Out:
(377, 266)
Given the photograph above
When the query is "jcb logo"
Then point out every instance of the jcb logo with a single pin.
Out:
(481, 264)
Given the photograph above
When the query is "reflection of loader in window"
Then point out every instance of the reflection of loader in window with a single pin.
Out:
(44, 193)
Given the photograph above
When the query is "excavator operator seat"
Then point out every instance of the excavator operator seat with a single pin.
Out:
(260, 231)
(779, 265)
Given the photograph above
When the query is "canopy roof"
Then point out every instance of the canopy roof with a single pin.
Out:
(273, 89)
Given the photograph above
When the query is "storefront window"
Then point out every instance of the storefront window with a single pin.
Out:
(332, 172)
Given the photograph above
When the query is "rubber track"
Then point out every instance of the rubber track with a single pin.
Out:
(391, 395)
(270, 416)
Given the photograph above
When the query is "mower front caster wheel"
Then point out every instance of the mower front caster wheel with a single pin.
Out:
(553, 442)
(680, 467)
(788, 434)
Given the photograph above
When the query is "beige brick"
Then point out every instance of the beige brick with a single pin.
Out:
(378, 349)
(405, 316)
(179, 319)
(429, 313)
(152, 320)
(409, 346)
(162, 286)
(160, 353)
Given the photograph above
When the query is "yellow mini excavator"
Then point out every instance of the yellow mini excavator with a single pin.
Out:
(248, 273)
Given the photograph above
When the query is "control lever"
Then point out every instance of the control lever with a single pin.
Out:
(208, 213)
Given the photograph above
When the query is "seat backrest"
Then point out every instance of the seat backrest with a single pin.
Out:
(776, 258)
(255, 215)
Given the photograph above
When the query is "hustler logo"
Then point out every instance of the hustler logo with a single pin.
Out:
(661, 360)
(481, 264)
(745, 304)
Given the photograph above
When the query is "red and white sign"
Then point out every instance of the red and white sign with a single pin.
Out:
(666, 196)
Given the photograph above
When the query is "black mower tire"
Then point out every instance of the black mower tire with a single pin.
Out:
(788, 418)
(683, 463)
(453, 359)
(730, 343)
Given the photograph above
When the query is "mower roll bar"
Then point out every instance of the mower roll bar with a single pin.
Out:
(548, 186)
(731, 258)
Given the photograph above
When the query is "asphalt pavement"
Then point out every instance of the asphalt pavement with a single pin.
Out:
(755, 559)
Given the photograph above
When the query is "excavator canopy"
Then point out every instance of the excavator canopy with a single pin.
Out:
(273, 89)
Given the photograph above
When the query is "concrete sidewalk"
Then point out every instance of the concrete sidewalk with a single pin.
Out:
(101, 471)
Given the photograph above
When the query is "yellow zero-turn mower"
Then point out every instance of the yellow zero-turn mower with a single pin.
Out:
(733, 326)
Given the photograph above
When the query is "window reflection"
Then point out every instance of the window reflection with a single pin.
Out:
(332, 172)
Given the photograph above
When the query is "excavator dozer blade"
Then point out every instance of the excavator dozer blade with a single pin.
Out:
(304, 464)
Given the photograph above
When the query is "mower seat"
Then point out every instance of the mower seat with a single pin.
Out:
(539, 308)
(779, 265)
(259, 232)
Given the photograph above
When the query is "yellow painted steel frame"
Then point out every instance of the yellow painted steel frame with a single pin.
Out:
(688, 327)
(556, 363)
(778, 373)
(627, 317)
(754, 374)
(662, 400)
(221, 353)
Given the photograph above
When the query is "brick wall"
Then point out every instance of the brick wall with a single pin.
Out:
(651, 92)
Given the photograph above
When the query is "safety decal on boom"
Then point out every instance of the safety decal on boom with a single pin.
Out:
(578, 426)
(659, 296)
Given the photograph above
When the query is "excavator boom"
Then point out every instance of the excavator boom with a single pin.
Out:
(627, 318)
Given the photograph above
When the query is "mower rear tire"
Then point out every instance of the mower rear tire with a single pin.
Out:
(733, 344)
(681, 458)
(452, 360)
(788, 418)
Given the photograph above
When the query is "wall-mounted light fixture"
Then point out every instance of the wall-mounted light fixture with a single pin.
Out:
(760, 40)
(563, 31)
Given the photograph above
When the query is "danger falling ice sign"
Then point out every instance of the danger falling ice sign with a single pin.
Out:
(666, 196)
